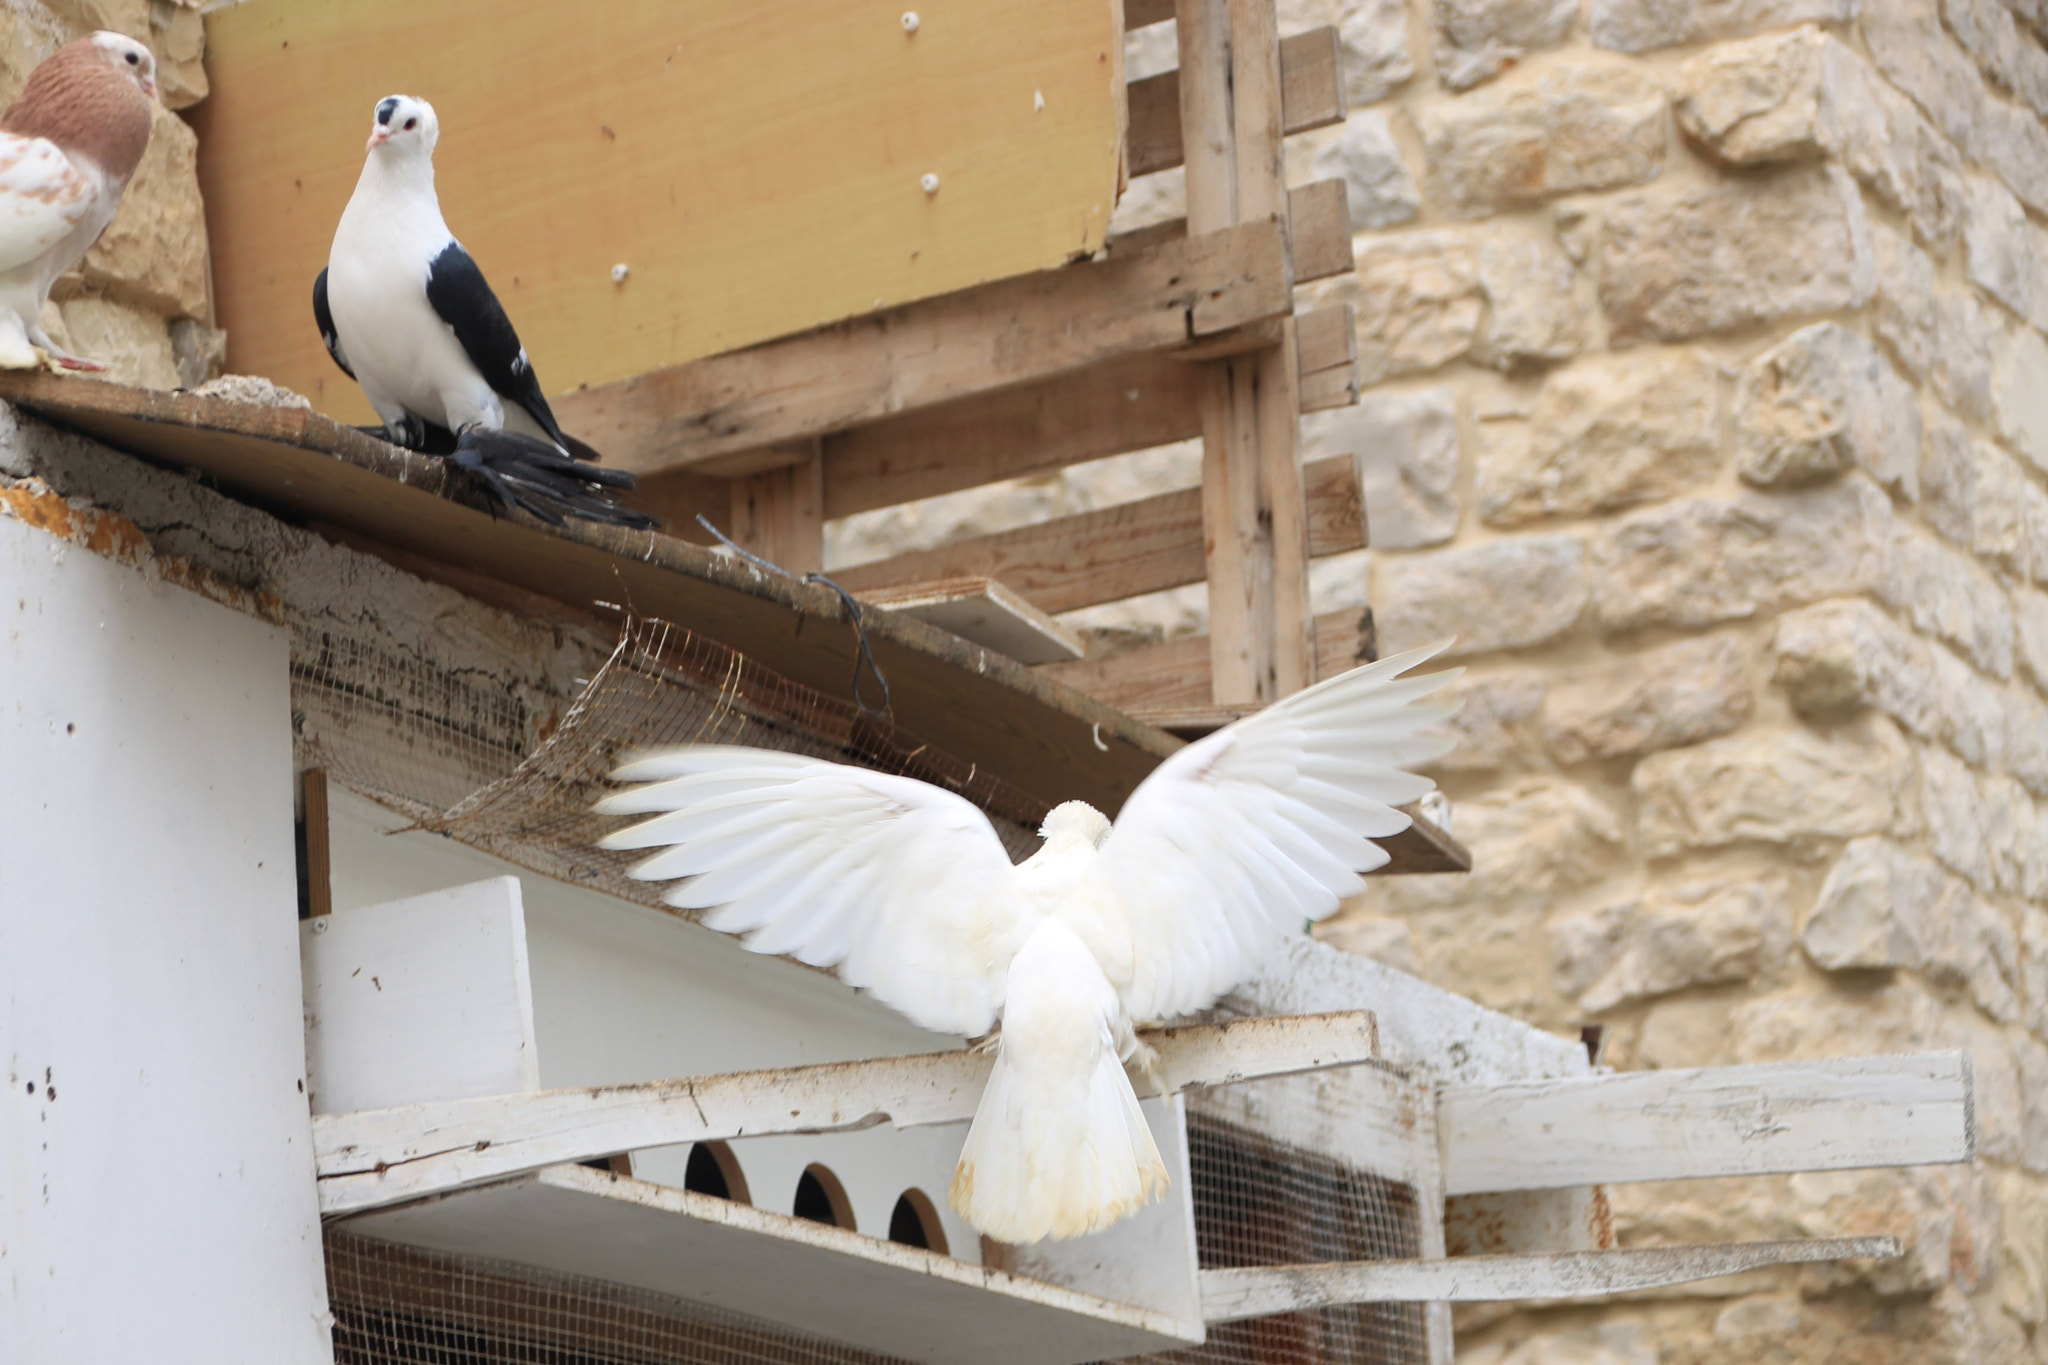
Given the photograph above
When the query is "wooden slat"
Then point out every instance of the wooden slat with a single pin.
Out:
(1233, 1295)
(313, 820)
(1712, 1121)
(979, 608)
(1173, 675)
(1011, 332)
(388, 1156)
(1125, 405)
(1115, 552)
(1318, 231)
(1312, 95)
(779, 514)
(1140, 13)
(706, 143)
(1327, 360)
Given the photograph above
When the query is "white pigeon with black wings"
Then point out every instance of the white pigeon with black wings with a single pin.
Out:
(405, 312)
(1224, 851)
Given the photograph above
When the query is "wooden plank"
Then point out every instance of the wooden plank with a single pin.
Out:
(779, 514)
(313, 820)
(1172, 676)
(1328, 362)
(1014, 331)
(902, 1302)
(984, 611)
(1318, 231)
(1114, 552)
(1711, 1121)
(1132, 404)
(1233, 1295)
(1140, 13)
(382, 1157)
(714, 136)
(1312, 96)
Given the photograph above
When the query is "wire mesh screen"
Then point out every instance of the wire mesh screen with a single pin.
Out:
(446, 753)
(396, 1305)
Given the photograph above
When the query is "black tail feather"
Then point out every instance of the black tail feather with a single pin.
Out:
(526, 472)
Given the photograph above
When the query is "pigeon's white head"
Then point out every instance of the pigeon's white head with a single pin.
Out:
(1075, 819)
(128, 57)
(404, 127)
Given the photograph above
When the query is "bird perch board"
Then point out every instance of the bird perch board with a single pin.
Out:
(706, 147)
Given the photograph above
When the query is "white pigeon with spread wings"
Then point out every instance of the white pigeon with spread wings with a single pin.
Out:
(1220, 854)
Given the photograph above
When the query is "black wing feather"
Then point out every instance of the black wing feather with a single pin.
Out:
(521, 471)
(325, 318)
(458, 293)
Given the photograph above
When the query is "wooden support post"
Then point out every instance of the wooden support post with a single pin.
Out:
(1255, 520)
(779, 513)
(314, 865)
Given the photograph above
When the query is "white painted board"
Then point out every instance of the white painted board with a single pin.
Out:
(160, 1204)
(986, 612)
(896, 1300)
(1709, 1121)
(419, 999)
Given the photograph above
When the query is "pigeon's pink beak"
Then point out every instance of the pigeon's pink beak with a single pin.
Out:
(149, 86)
(378, 137)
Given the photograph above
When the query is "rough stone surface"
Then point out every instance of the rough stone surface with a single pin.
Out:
(154, 252)
(1532, 840)
(1533, 313)
(2026, 741)
(1383, 938)
(1640, 25)
(177, 34)
(1946, 1220)
(135, 346)
(1475, 40)
(2019, 393)
(1948, 594)
(1373, 36)
(1963, 342)
(1790, 788)
(2030, 612)
(1954, 811)
(1494, 723)
(1406, 445)
(1885, 906)
(1978, 496)
(2015, 60)
(1702, 561)
(1419, 302)
(1604, 435)
(1660, 699)
(1898, 1017)
(1696, 935)
(1905, 299)
(1886, 143)
(1703, 259)
(1754, 102)
(2008, 255)
(1582, 125)
(1380, 192)
(1823, 401)
(1508, 594)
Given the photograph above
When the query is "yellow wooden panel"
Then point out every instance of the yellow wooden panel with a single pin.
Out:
(755, 164)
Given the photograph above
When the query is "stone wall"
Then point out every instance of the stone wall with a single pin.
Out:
(1709, 410)
(142, 299)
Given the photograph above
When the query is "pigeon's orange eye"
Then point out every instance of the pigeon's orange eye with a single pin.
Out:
(411, 123)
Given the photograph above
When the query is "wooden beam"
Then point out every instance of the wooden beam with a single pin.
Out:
(1326, 359)
(1115, 552)
(1318, 231)
(388, 1156)
(1233, 1295)
(1125, 405)
(1140, 13)
(982, 609)
(779, 514)
(716, 414)
(1173, 675)
(317, 865)
(1712, 1121)
(1311, 90)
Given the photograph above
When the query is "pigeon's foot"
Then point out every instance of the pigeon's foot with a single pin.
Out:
(17, 352)
(58, 359)
(77, 363)
(988, 1042)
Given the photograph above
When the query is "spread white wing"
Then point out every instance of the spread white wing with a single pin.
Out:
(902, 886)
(1236, 840)
(44, 194)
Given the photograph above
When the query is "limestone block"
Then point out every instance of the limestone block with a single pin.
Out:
(1964, 339)
(1406, 445)
(1475, 40)
(1533, 314)
(2008, 256)
(81, 17)
(1678, 264)
(1660, 699)
(2019, 389)
(1789, 788)
(2030, 1055)
(133, 345)
(1419, 302)
(1383, 938)
(2015, 838)
(1531, 839)
(2023, 1255)
(1581, 125)
(1639, 25)
(1905, 299)
(2033, 13)
(1885, 906)
(1606, 1343)
(1754, 102)
(1604, 434)
(1488, 949)
(1380, 192)
(2016, 61)
(154, 252)
(1898, 1017)
(1945, 1217)
(1823, 401)
(1948, 594)
(2026, 740)
(1373, 36)
(1695, 935)
(2030, 613)
(1954, 811)
(1702, 561)
(1493, 724)
(177, 34)
(2034, 941)
(1506, 594)
(1887, 144)
(2001, 1123)
(1978, 496)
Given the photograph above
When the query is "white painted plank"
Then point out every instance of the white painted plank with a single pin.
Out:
(156, 1172)
(1232, 1295)
(1712, 1121)
(1368, 1118)
(896, 1300)
(419, 999)
(374, 1158)
(986, 612)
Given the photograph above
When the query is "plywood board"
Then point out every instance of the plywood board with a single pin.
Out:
(703, 145)
(899, 1301)
(984, 611)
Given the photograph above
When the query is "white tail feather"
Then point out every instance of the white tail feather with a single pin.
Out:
(1059, 1146)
